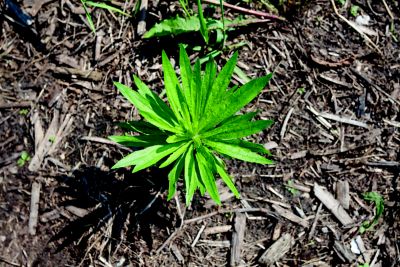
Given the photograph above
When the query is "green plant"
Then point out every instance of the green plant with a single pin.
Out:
(379, 207)
(23, 158)
(354, 9)
(103, 5)
(23, 112)
(291, 189)
(301, 90)
(198, 127)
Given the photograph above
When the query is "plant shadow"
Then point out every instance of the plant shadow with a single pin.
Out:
(118, 207)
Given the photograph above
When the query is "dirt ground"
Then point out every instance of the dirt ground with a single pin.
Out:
(334, 97)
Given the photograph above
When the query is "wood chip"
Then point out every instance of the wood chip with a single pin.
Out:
(290, 216)
(34, 209)
(219, 244)
(77, 211)
(45, 144)
(332, 204)
(277, 250)
(217, 229)
(177, 253)
(237, 239)
(343, 193)
(343, 252)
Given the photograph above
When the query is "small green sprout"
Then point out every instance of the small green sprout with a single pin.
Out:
(198, 128)
(354, 10)
(291, 189)
(52, 139)
(23, 112)
(379, 207)
(301, 90)
(24, 158)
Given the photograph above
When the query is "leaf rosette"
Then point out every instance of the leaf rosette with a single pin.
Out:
(197, 129)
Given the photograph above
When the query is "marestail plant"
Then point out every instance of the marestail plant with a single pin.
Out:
(197, 129)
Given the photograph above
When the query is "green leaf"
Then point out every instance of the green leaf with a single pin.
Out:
(239, 118)
(195, 95)
(379, 207)
(142, 104)
(177, 138)
(238, 130)
(218, 89)
(176, 155)
(173, 177)
(88, 17)
(257, 148)
(186, 72)
(225, 177)
(208, 80)
(146, 157)
(138, 141)
(174, 93)
(207, 176)
(190, 175)
(174, 26)
(235, 101)
(203, 23)
(154, 100)
(237, 152)
(354, 10)
(141, 127)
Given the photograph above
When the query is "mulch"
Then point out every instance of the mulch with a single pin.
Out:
(334, 97)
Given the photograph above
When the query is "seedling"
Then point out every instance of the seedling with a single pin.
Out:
(354, 10)
(52, 139)
(301, 90)
(291, 189)
(379, 207)
(23, 112)
(23, 158)
(197, 129)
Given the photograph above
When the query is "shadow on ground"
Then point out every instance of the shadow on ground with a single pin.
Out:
(120, 204)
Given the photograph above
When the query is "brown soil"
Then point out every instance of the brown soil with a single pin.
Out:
(91, 215)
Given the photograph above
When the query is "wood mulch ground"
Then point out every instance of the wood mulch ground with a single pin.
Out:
(335, 99)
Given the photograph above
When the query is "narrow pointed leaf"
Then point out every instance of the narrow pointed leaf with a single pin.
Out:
(238, 130)
(138, 141)
(227, 180)
(173, 177)
(237, 152)
(141, 127)
(190, 176)
(203, 24)
(236, 100)
(152, 158)
(175, 155)
(219, 87)
(186, 72)
(143, 106)
(155, 101)
(149, 154)
(174, 93)
(207, 177)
